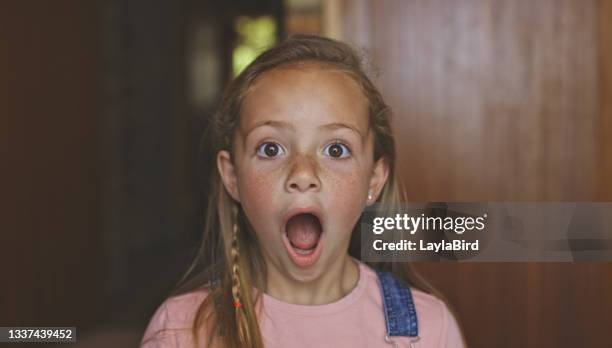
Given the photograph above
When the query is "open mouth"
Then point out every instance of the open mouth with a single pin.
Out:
(303, 238)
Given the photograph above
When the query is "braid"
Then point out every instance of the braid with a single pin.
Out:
(241, 320)
(235, 268)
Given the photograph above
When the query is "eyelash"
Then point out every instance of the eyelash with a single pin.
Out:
(346, 149)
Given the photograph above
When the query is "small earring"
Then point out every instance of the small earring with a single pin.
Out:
(369, 195)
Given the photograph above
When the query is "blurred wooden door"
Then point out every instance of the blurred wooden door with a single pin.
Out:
(500, 100)
(50, 246)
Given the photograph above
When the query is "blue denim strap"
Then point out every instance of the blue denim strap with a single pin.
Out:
(400, 312)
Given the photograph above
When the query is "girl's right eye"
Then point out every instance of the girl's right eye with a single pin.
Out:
(270, 150)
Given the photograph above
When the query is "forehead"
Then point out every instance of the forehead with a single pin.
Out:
(310, 94)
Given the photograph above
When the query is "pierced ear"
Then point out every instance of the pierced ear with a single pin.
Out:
(380, 173)
(227, 172)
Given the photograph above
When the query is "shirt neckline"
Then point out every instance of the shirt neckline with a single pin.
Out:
(271, 303)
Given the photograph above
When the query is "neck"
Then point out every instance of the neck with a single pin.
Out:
(339, 279)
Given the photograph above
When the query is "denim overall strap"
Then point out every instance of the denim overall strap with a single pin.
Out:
(400, 312)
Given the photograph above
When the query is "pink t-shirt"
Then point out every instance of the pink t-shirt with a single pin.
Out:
(356, 320)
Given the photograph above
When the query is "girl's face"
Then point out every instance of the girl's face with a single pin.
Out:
(303, 148)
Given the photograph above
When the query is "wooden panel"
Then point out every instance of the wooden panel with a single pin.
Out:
(494, 100)
(528, 304)
(605, 97)
(501, 100)
(50, 251)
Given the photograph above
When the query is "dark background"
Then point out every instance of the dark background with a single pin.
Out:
(102, 104)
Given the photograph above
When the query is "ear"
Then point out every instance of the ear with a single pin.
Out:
(227, 172)
(380, 173)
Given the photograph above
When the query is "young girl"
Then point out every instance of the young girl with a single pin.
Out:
(304, 144)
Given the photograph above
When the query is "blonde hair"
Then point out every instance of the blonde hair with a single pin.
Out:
(232, 268)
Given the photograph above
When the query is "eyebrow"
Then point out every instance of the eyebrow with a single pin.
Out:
(337, 125)
(287, 125)
(271, 123)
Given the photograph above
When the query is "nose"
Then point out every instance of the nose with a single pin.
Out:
(303, 175)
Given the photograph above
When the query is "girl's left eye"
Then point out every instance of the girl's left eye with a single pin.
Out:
(337, 150)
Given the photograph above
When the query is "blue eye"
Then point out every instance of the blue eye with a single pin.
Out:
(337, 150)
(270, 150)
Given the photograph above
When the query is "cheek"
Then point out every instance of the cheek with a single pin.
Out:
(255, 188)
(347, 189)
(257, 191)
(346, 197)
(348, 181)
(257, 181)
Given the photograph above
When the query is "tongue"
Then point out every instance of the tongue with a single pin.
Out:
(303, 231)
